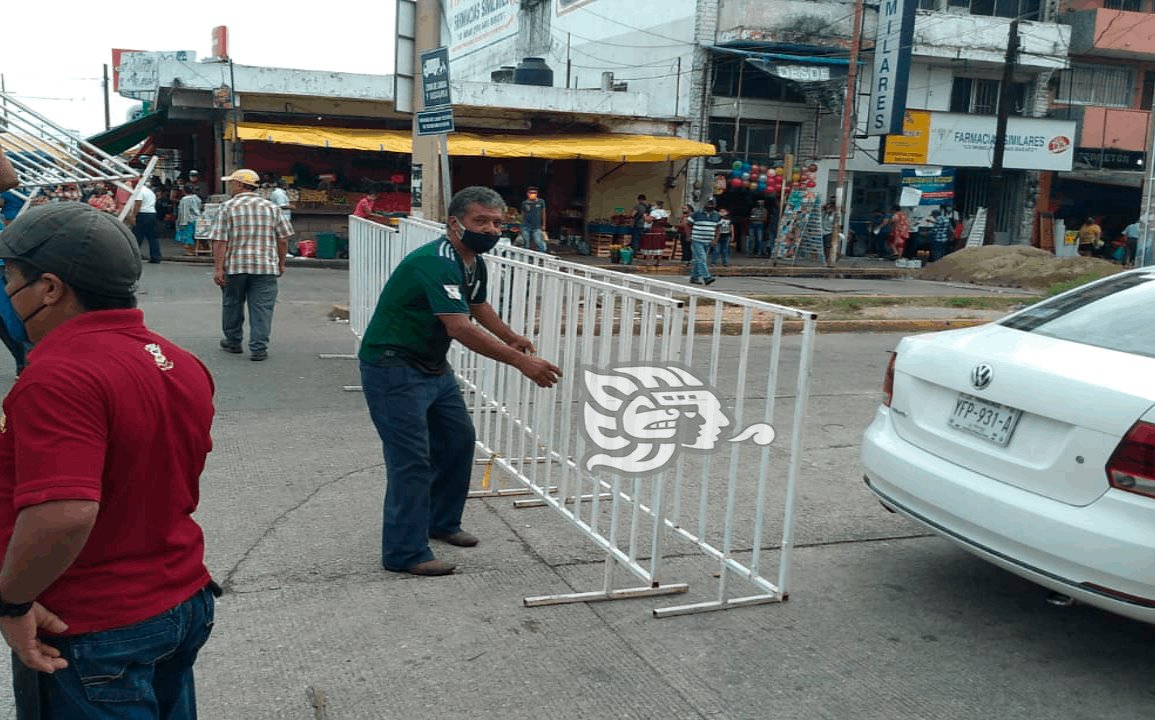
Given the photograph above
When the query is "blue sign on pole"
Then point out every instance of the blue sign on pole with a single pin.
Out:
(435, 122)
(435, 77)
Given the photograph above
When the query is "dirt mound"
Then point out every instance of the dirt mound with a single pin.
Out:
(1015, 266)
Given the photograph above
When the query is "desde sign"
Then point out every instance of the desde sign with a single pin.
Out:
(474, 24)
(892, 45)
(953, 139)
(435, 77)
(435, 122)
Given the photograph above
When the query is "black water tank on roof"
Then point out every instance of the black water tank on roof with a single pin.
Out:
(533, 71)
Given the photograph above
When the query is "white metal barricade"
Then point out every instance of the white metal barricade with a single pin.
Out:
(720, 365)
(44, 154)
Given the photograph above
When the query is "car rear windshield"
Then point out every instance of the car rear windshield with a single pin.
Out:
(1117, 314)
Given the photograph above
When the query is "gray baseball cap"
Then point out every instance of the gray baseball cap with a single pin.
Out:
(86, 248)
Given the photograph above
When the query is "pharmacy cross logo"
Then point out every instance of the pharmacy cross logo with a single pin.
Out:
(637, 418)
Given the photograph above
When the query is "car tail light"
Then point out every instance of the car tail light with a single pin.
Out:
(888, 381)
(1132, 465)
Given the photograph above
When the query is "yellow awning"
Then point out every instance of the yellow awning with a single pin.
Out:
(397, 141)
(591, 146)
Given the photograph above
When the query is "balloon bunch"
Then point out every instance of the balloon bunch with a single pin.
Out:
(759, 179)
(767, 180)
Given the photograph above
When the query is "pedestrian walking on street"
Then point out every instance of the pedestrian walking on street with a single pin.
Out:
(638, 222)
(142, 219)
(940, 235)
(250, 242)
(533, 221)
(756, 240)
(105, 599)
(413, 396)
(703, 236)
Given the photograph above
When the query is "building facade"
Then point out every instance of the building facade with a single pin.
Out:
(1108, 94)
(765, 83)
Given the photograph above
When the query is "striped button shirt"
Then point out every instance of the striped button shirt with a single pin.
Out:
(705, 224)
(250, 227)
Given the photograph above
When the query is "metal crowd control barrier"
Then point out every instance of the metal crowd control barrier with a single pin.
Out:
(43, 154)
(721, 369)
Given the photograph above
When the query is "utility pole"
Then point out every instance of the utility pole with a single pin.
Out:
(107, 120)
(849, 105)
(1143, 253)
(426, 151)
(995, 191)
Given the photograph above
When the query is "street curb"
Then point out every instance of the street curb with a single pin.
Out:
(897, 325)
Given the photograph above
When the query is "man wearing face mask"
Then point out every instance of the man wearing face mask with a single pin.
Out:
(413, 396)
(104, 595)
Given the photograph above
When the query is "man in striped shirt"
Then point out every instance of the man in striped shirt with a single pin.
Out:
(702, 237)
(250, 241)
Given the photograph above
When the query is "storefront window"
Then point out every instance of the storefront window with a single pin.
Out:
(757, 139)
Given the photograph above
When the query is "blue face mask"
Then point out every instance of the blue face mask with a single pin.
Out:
(12, 320)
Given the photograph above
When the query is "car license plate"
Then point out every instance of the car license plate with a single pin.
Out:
(990, 421)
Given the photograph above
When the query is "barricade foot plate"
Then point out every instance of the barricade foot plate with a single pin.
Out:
(600, 595)
(716, 605)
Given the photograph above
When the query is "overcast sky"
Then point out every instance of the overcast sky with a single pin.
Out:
(52, 56)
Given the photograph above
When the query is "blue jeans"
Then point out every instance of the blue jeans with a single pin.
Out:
(699, 271)
(145, 229)
(755, 242)
(636, 233)
(428, 440)
(720, 250)
(938, 250)
(260, 293)
(535, 236)
(139, 672)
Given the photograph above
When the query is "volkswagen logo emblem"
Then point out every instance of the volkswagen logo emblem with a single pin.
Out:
(981, 376)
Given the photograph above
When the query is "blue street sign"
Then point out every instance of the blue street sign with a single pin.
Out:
(435, 122)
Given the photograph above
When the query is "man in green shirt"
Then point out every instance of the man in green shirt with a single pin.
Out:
(413, 397)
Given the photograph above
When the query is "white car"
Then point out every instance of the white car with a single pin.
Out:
(1030, 442)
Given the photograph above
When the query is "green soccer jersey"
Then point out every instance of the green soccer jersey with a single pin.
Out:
(430, 281)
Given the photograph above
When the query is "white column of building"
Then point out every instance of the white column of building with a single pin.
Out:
(705, 33)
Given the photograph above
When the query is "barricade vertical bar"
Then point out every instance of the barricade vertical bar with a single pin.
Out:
(569, 363)
(802, 395)
(767, 418)
(732, 484)
(606, 331)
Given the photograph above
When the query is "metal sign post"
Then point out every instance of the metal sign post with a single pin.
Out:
(437, 117)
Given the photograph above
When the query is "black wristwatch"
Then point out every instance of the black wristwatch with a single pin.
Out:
(8, 609)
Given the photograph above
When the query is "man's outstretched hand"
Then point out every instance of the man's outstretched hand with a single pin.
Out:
(542, 372)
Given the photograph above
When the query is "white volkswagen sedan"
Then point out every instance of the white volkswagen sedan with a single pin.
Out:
(1030, 442)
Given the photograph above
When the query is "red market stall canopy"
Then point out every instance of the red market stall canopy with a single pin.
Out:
(610, 147)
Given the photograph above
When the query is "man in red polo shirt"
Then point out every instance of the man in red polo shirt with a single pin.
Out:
(104, 595)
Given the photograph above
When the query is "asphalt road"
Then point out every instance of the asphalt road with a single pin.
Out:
(884, 622)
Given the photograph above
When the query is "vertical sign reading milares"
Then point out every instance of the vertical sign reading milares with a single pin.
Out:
(892, 47)
(435, 77)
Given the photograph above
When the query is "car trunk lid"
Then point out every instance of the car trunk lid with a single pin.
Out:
(1060, 407)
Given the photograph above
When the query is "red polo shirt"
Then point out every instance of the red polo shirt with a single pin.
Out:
(111, 412)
